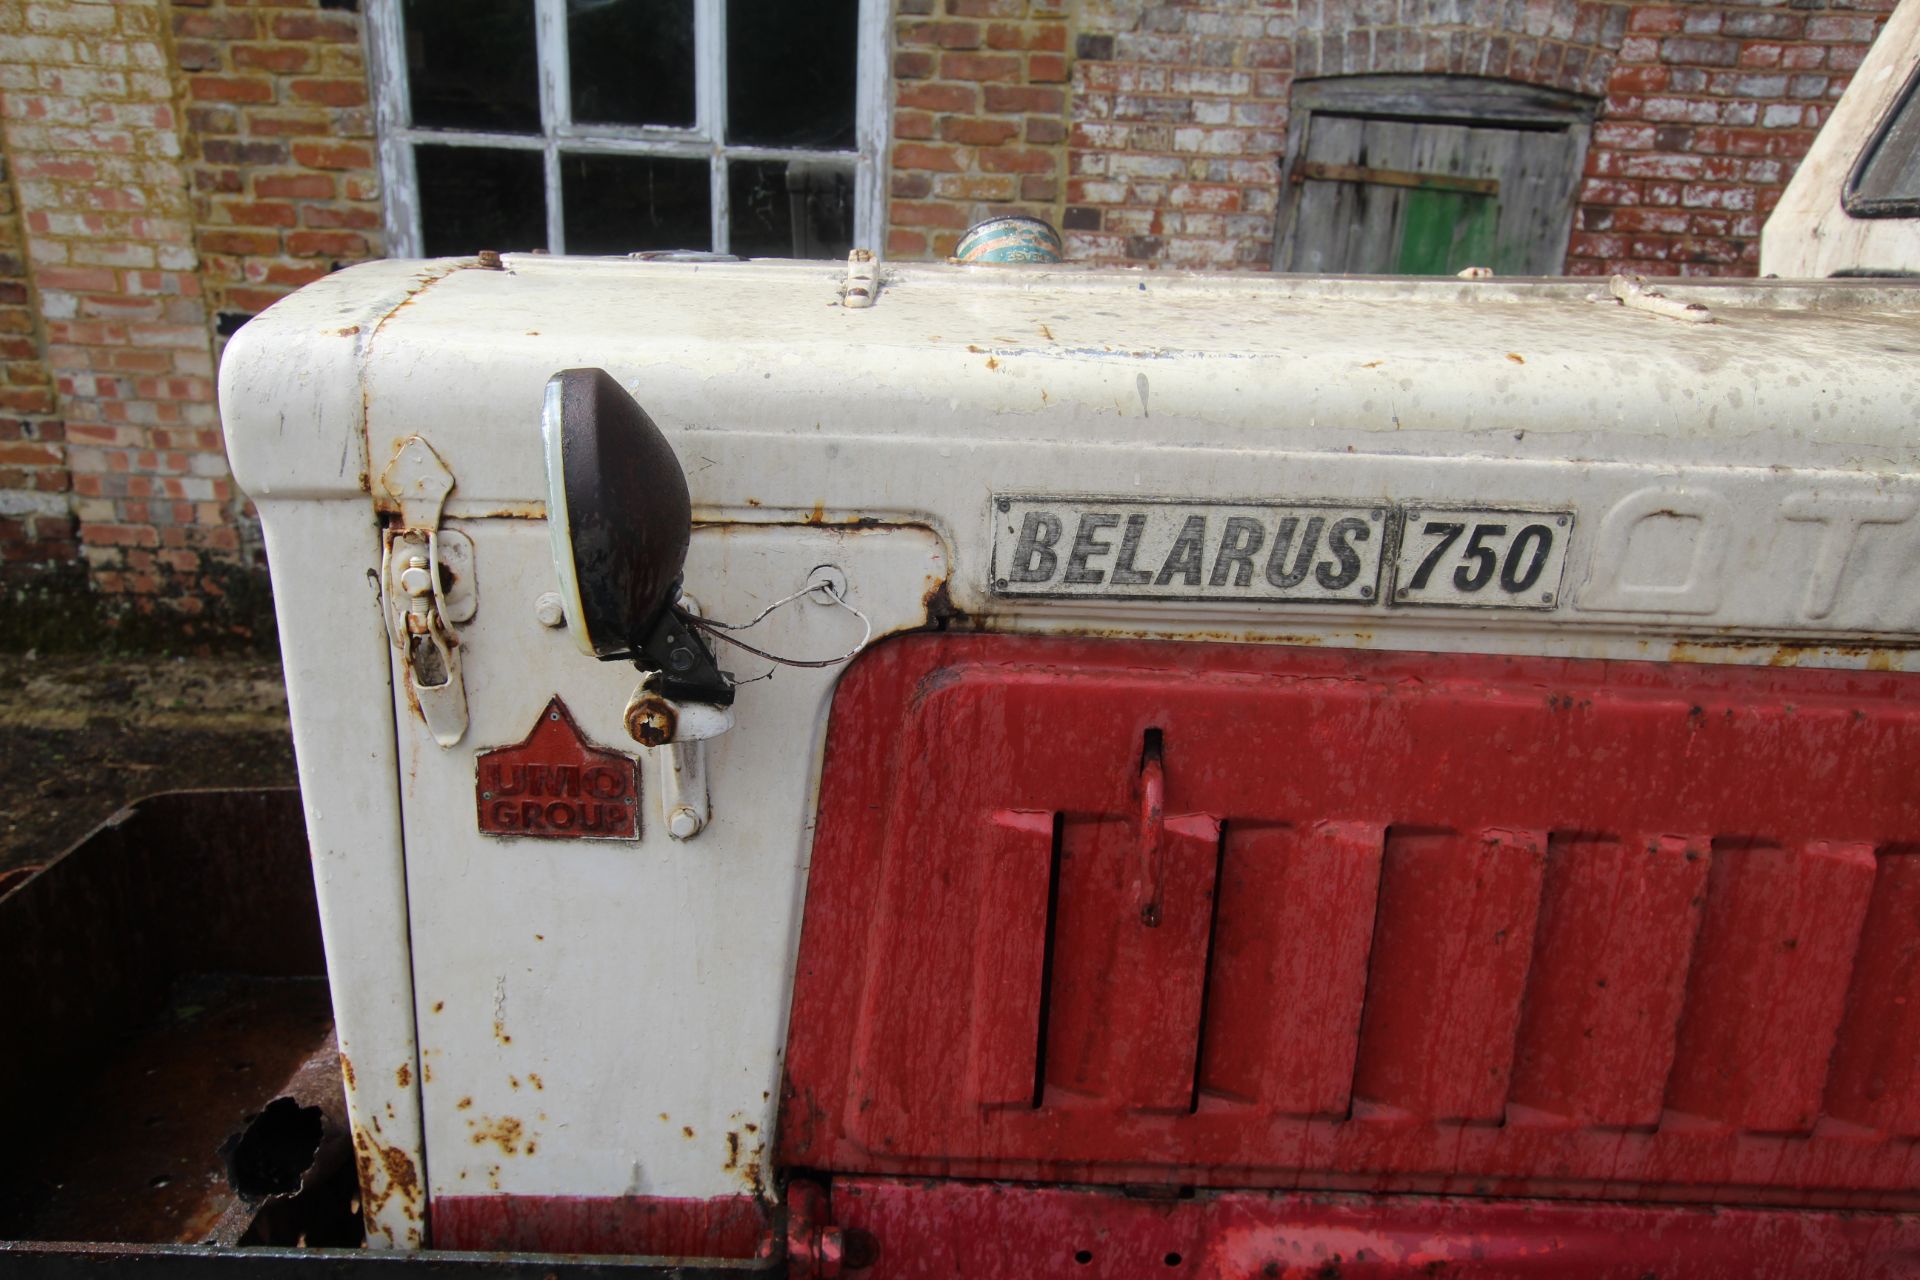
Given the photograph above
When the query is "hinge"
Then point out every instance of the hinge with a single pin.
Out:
(816, 1249)
(427, 578)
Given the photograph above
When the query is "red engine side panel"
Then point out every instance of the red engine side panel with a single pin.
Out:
(1087, 910)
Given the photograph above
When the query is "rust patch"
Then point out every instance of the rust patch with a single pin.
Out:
(401, 1179)
(426, 1073)
(439, 1006)
(513, 1082)
(1046, 332)
(818, 515)
(463, 1104)
(403, 1076)
(347, 332)
(346, 1071)
(1516, 357)
(992, 363)
(535, 1081)
(500, 1032)
(733, 1150)
(505, 1132)
(1373, 364)
(686, 1130)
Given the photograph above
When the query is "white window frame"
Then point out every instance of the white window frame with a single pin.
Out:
(705, 139)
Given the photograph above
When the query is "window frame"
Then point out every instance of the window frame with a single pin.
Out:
(397, 136)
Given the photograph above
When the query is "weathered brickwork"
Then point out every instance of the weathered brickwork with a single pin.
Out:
(279, 145)
(92, 131)
(979, 118)
(1179, 111)
(1709, 109)
(36, 518)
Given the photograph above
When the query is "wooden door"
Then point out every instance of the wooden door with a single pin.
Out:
(1398, 194)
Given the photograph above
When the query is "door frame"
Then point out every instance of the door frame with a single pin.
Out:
(1428, 99)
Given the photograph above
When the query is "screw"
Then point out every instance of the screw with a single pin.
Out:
(1005, 504)
(683, 823)
(999, 584)
(1546, 597)
(1374, 514)
(826, 584)
(549, 610)
(651, 721)
(1562, 522)
(1402, 593)
(680, 659)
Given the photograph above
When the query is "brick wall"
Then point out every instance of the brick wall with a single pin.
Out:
(279, 145)
(1179, 110)
(36, 520)
(95, 147)
(1708, 112)
(979, 121)
(174, 167)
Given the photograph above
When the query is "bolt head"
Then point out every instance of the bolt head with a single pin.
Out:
(683, 823)
(549, 610)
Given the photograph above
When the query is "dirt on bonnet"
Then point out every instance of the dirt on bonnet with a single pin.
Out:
(82, 737)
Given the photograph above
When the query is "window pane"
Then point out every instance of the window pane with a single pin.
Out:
(790, 209)
(474, 198)
(1891, 176)
(622, 204)
(471, 64)
(790, 72)
(632, 61)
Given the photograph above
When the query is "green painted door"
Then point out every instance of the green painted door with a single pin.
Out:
(1419, 197)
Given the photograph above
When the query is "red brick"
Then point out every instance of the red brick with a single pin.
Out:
(1017, 160)
(332, 93)
(229, 89)
(940, 35)
(974, 131)
(1018, 99)
(272, 57)
(979, 66)
(907, 213)
(917, 125)
(243, 243)
(1046, 68)
(310, 186)
(316, 26)
(901, 244)
(346, 155)
(1050, 37)
(336, 244)
(272, 213)
(912, 66)
(937, 97)
(319, 215)
(938, 159)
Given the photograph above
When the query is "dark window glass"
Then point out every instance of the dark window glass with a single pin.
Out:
(471, 65)
(790, 208)
(623, 204)
(474, 198)
(790, 67)
(1888, 183)
(632, 61)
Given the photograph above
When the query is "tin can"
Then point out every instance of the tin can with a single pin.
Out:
(1010, 239)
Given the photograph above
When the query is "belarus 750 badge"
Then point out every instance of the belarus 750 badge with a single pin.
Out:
(557, 785)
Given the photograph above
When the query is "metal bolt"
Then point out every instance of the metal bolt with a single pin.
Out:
(1366, 593)
(490, 259)
(1005, 504)
(826, 584)
(651, 720)
(684, 823)
(549, 610)
(680, 659)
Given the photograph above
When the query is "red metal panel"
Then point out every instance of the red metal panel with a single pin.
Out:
(1876, 1067)
(990, 1231)
(1617, 923)
(1449, 964)
(654, 1226)
(1295, 915)
(1505, 926)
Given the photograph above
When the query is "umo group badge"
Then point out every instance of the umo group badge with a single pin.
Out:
(1406, 555)
(556, 785)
